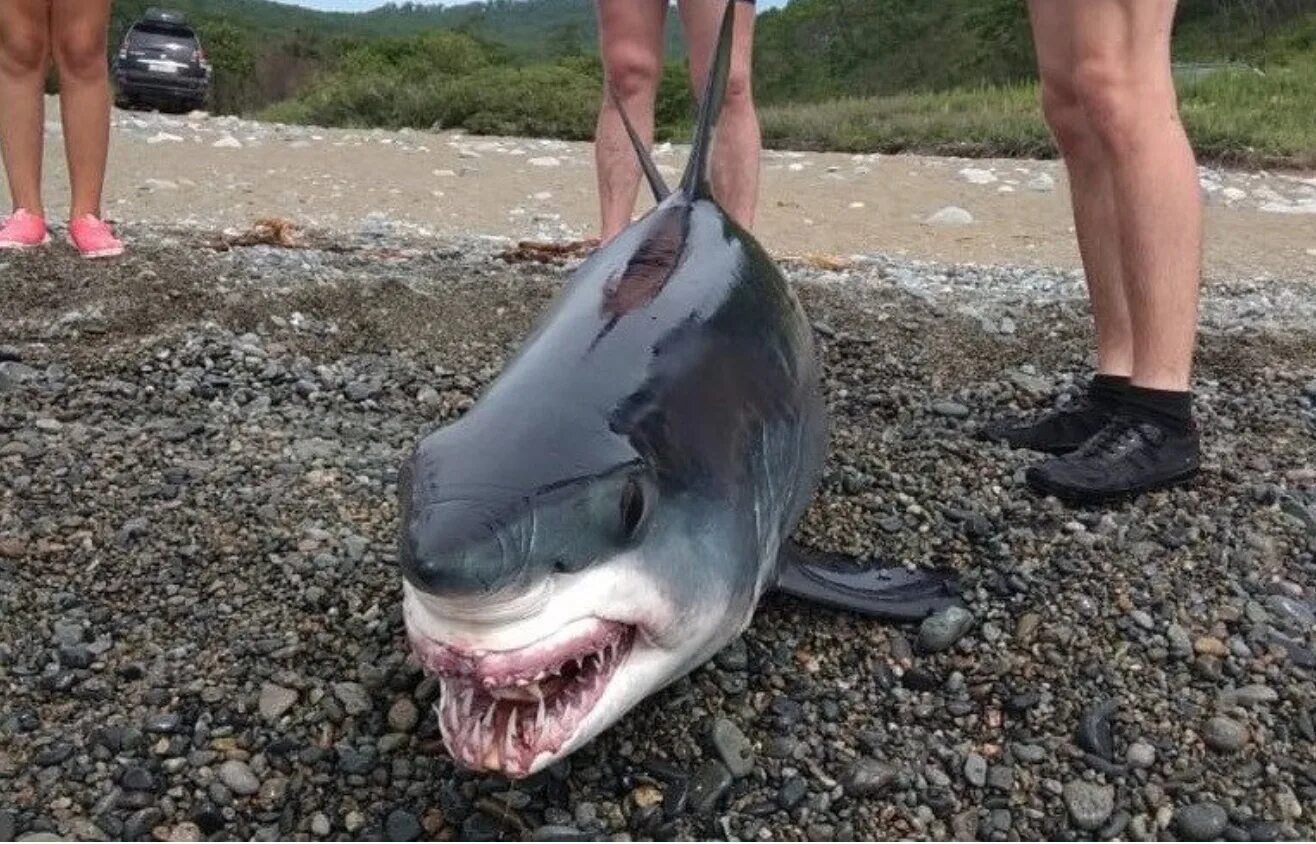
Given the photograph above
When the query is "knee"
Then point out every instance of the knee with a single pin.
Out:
(81, 57)
(633, 74)
(1112, 99)
(1066, 118)
(739, 96)
(23, 57)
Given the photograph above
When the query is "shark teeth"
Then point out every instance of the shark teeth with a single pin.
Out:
(512, 724)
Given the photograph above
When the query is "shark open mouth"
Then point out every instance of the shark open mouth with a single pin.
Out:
(504, 710)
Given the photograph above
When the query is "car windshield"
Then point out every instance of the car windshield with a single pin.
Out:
(154, 36)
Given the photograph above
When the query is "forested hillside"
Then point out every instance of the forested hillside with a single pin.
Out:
(530, 66)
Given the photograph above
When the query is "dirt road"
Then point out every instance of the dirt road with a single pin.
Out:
(229, 172)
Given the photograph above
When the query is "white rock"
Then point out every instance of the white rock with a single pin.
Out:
(856, 205)
(795, 167)
(227, 142)
(163, 138)
(161, 184)
(1306, 206)
(977, 176)
(1042, 183)
(544, 195)
(545, 161)
(445, 173)
(951, 215)
(1233, 194)
(1005, 189)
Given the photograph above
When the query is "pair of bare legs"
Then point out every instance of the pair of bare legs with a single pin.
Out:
(631, 40)
(73, 33)
(1110, 102)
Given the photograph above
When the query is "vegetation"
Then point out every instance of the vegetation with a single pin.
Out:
(863, 75)
(1256, 109)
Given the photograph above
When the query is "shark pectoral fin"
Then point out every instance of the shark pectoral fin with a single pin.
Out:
(893, 593)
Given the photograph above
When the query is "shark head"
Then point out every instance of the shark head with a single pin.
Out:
(548, 612)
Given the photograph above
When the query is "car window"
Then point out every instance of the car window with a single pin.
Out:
(152, 36)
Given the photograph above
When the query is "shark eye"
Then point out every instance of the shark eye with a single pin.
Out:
(632, 508)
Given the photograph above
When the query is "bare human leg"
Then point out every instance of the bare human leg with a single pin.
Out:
(24, 57)
(738, 147)
(631, 41)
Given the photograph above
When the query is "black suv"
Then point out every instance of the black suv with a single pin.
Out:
(161, 64)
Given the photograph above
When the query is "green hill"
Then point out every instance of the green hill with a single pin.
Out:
(950, 75)
(819, 49)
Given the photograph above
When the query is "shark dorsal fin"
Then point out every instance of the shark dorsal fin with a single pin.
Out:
(696, 182)
(651, 174)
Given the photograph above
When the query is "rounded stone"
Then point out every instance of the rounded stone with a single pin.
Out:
(1089, 804)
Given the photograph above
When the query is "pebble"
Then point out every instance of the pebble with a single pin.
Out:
(354, 698)
(227, 142)
(950, 216)
(1224, 734)
(137, 779)
(1089, 805)
(403, 715)
(1042, 183)
(237, 776)
(275, 701)
(975, 770)
(53, 754)
(1094, 733)
(792, 792)
(1201, 821)
(1249, 696)
(976, 176)
(560, 833)
(733, 748)
(869, 777)
(941, 630)
(950, 409)
(402, 825)
(1140, 755)
(545, 161)
(1294, 612)
(710, 782)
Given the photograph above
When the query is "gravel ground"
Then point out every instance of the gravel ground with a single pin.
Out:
(200, 631)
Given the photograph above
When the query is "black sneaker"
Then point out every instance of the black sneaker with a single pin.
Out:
(1057, 432)
(1126, 458)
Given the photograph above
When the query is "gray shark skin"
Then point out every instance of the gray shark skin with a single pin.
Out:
(607, 516)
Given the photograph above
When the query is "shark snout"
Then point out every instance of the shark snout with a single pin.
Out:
(459, 548)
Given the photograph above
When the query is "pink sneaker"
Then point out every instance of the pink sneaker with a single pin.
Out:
(94, 238)
(23, 231)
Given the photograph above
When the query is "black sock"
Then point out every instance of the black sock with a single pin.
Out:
(1107, 389)
(1170, 409)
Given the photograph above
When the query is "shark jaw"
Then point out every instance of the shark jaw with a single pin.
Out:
(528, 679)
(515, 712)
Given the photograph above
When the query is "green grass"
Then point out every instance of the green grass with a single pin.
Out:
(1238, 117)
(450, 80)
